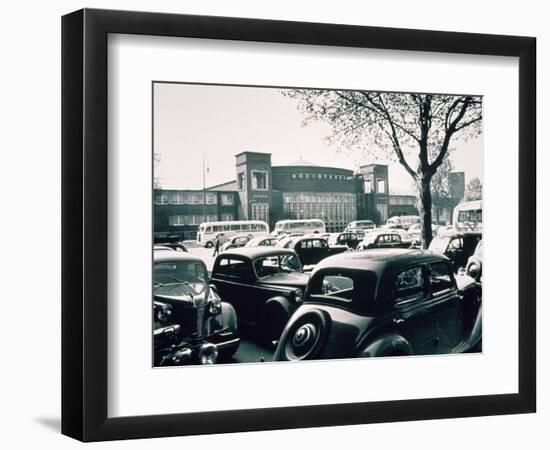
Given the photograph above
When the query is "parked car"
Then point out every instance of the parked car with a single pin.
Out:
(311, 250)
(475, 262)
(363, 225)
(172, 242)
(237, 241)
(347, 239)
(265, 285)
(415, 231)
(190, 322)
(458, 246)
(263, 241)
(382, 239)
(403, 233)
(384, 303)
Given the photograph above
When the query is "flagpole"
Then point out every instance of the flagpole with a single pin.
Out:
(203, 188)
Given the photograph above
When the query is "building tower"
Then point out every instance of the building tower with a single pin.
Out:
(376, 188)
(254, 185)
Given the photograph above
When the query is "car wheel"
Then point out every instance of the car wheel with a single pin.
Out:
(209, 244)
(275, 319)
(307, 336)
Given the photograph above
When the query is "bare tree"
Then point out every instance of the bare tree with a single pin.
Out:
(414, 129)
(157, 180)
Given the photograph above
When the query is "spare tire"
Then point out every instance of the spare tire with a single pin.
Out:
(307, 336)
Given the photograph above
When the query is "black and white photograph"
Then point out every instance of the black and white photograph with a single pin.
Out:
(295, 224)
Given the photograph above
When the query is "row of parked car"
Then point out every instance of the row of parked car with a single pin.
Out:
(379, 302)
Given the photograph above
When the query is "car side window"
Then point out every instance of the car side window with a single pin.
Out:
(410, 285)
(441, 277)
(455, 244)
(234, 268)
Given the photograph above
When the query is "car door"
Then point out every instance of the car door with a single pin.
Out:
(304, 250)
(447, 309)
(413, 316)
(455, 251)
(234, 279)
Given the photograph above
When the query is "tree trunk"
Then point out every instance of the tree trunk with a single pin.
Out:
(425, 210)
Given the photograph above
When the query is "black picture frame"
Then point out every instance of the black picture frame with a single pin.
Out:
(84, 224)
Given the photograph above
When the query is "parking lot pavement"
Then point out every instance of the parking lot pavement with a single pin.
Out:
(251, 352)
(204, 253)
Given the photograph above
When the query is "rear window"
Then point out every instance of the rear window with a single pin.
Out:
(340, 287)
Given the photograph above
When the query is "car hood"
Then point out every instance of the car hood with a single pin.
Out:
(294, 279)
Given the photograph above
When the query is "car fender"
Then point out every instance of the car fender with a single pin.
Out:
(475, 334)
(281, 302)
(229, 316)
(387, 345)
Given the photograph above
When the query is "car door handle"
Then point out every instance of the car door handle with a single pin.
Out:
(398, 321)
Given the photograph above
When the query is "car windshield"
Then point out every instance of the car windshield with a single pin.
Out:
(179, 278)
(272, 265)
(439, 244)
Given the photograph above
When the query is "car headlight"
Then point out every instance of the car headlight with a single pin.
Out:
(473, 271)
(164, 313)
(215, 306)
(298, 296)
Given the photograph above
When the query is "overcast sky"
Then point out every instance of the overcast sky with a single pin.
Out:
(220, 121)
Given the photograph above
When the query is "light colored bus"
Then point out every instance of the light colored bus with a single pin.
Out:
(207, 231)
(306, 226)
(404, 222)
(467, 216)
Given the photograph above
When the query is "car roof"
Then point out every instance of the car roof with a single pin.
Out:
(453, 233)
(380, 259)
(308, 238)
(256, 252)
(165, 256)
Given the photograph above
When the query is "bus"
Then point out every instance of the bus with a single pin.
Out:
(306, 226)
(467, 216)
(404, 222)
(208, 231)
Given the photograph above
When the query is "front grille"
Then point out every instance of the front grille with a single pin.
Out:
(191, 320)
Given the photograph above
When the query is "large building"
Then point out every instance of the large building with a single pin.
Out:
(300, 190)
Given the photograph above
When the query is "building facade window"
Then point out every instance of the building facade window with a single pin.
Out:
(335, 209)
(211, 198)
(227, 216)
(240, 179)
(227, 199)
(260, 211)
(381, 186)
(161, 198)
(259, 180)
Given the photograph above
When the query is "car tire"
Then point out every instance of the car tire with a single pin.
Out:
(307, 336)
(273, 324)
(209, 244)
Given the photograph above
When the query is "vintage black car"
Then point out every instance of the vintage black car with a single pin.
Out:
(173, 242)
(458, 246)
(382, 239)
(384, 303)
(348, 239)
(190, 322)
(264, 284)
(475, 262)
(311, 249)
